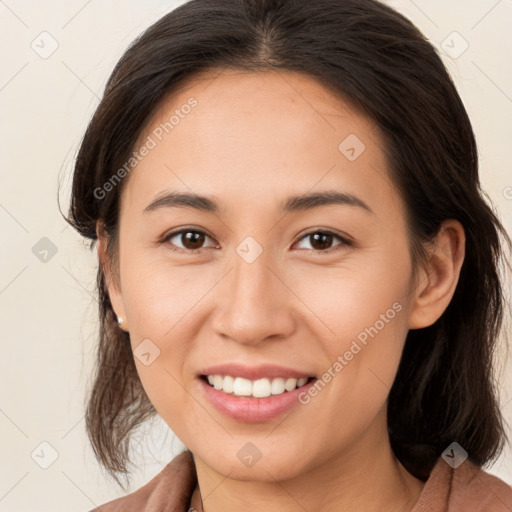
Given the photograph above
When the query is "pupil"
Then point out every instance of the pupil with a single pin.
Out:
(322, 239)
(194, 238)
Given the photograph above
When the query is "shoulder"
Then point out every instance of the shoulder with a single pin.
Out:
(474, 487)
(467, 488)
(169, 490)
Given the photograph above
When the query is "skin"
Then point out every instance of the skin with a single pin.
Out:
(253, 140)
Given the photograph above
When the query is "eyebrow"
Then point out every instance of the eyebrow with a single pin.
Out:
(292, 204)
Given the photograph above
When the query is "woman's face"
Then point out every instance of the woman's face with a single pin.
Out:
(266, 292)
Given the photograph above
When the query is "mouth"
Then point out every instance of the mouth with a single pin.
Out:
(259, 388)
(253, 401)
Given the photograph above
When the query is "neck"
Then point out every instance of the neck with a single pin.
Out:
(365, 477)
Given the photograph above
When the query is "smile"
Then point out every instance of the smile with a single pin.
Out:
(260, 388)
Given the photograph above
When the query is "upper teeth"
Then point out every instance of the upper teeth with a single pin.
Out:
(260, 388)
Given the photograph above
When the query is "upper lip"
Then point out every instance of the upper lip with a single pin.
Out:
(269, 371)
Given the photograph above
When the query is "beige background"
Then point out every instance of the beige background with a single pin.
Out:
(48, 326)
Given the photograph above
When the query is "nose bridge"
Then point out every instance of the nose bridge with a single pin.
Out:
(256, 304)
(251, 279)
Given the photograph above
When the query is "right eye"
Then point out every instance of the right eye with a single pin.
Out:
(191, 240)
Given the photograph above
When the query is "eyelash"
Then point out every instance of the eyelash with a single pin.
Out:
(172, 247)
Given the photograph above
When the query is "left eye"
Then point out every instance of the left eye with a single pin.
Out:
(322, 240)
(192, 240)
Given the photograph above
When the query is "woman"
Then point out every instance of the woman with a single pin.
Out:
(324, 339)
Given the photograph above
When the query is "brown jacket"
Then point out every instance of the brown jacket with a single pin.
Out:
(467, 488)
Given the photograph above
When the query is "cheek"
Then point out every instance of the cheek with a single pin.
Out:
(158, 327)
(355, 296)
(158, 296)
(362, 323)
(159, 302)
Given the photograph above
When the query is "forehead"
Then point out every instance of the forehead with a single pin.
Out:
(261, 134)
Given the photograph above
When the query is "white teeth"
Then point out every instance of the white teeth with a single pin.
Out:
(218, 382)
(290, 384)
(260, 388)
(242, 387)
(301, 382)
(228, 384)
(277, 386)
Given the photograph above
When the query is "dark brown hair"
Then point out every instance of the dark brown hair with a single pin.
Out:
(379, 62)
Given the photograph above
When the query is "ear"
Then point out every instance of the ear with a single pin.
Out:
(111, 278)
(438, 282)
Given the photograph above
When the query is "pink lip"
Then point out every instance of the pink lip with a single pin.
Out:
(250, 409)
(268, 371)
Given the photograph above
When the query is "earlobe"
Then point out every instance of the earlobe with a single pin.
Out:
(438, 283)
(113, 287)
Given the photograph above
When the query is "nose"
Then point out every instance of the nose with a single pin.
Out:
(254, 303)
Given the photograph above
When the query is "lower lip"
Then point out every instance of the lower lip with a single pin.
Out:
(250, 409)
